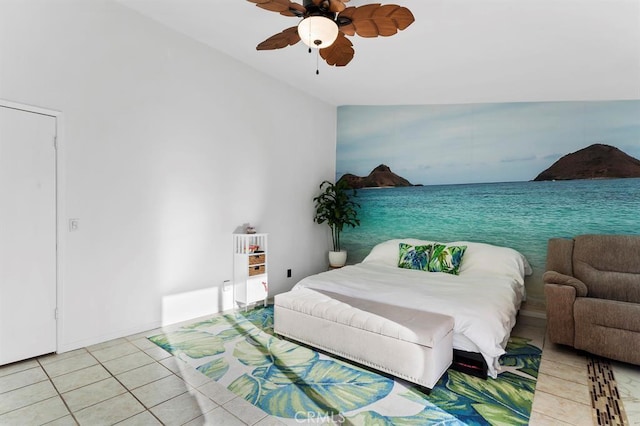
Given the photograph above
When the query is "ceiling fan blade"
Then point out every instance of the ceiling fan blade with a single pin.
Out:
(340, 53)
(272, 5)
(296, 7)
(283, 7)
(373, 20)
(336, 6)
(287, 37)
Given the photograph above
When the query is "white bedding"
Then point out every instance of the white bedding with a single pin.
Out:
(483, 299)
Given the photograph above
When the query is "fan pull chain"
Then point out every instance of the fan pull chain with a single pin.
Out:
(317, 60)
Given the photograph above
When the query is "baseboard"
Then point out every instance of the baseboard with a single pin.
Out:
(94, 340)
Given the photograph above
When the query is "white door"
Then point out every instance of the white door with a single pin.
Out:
(27, 234)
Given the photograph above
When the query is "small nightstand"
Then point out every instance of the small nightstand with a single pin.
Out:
(250, 270)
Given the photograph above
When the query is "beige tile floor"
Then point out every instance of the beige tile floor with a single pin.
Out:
(131, 381)
(562, 391)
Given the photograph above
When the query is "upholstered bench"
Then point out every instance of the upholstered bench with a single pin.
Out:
(409, 344)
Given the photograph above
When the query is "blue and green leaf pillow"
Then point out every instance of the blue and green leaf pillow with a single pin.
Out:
(414, 257)
(446, 258)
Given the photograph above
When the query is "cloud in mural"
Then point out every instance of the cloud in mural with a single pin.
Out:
(442, 144)
(524, 158)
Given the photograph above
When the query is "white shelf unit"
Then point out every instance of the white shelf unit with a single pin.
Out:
(250, 269)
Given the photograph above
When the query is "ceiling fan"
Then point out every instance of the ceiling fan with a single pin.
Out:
(325, 24)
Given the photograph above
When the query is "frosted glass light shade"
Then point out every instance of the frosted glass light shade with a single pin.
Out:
(317, 31)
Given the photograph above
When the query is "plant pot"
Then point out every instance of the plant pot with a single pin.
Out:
(337, 259)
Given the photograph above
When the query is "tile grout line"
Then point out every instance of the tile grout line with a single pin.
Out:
(132, 394)
(186, 365)
(71, 413)
(172, 373)
(584, 366)
(563, 378)
(127, 388)
(26, 385)
(111, 375)
(556, 420)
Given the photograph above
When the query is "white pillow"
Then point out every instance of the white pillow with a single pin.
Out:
(388, 252)
(487, 259)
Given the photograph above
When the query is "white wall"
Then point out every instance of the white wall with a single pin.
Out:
(167, 146)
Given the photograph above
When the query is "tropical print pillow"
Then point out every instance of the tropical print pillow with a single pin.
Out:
(414, 257)
(446, 258)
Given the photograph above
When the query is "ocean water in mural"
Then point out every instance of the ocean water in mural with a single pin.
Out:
(520, 215)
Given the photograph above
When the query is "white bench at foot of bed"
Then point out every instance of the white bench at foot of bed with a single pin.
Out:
(413, 345)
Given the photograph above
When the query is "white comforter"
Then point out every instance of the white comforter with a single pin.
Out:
(483, 303)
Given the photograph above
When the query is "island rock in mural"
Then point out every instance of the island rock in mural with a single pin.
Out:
(597, 161)
(380, 177)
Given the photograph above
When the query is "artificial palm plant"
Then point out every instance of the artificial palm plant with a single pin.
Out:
(336, 207)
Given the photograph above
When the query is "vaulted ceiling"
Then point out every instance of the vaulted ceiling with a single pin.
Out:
(456, 51)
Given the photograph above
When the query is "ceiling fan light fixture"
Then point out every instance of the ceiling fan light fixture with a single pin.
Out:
(318, 31)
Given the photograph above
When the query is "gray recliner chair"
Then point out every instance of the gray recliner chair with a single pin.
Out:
(592, 290)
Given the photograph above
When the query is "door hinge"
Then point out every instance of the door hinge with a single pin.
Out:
(55, 313)
(55, 142)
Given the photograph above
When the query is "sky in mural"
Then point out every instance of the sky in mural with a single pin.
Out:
(475, 143)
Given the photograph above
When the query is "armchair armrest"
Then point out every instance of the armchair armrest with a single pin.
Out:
(560, 291)
(553, 277)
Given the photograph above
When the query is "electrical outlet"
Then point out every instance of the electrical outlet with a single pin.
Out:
(288, 273)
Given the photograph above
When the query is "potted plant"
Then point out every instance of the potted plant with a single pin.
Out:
(336, 207)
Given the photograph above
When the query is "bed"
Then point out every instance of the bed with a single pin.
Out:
(483, 298)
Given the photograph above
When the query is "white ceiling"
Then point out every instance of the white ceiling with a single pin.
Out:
(457, 51)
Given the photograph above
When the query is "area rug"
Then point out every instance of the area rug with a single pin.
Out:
(297, 384)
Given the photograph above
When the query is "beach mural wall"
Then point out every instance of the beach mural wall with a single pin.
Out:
(510, 174)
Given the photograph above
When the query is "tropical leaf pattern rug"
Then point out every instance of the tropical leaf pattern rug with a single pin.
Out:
(297, 384)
